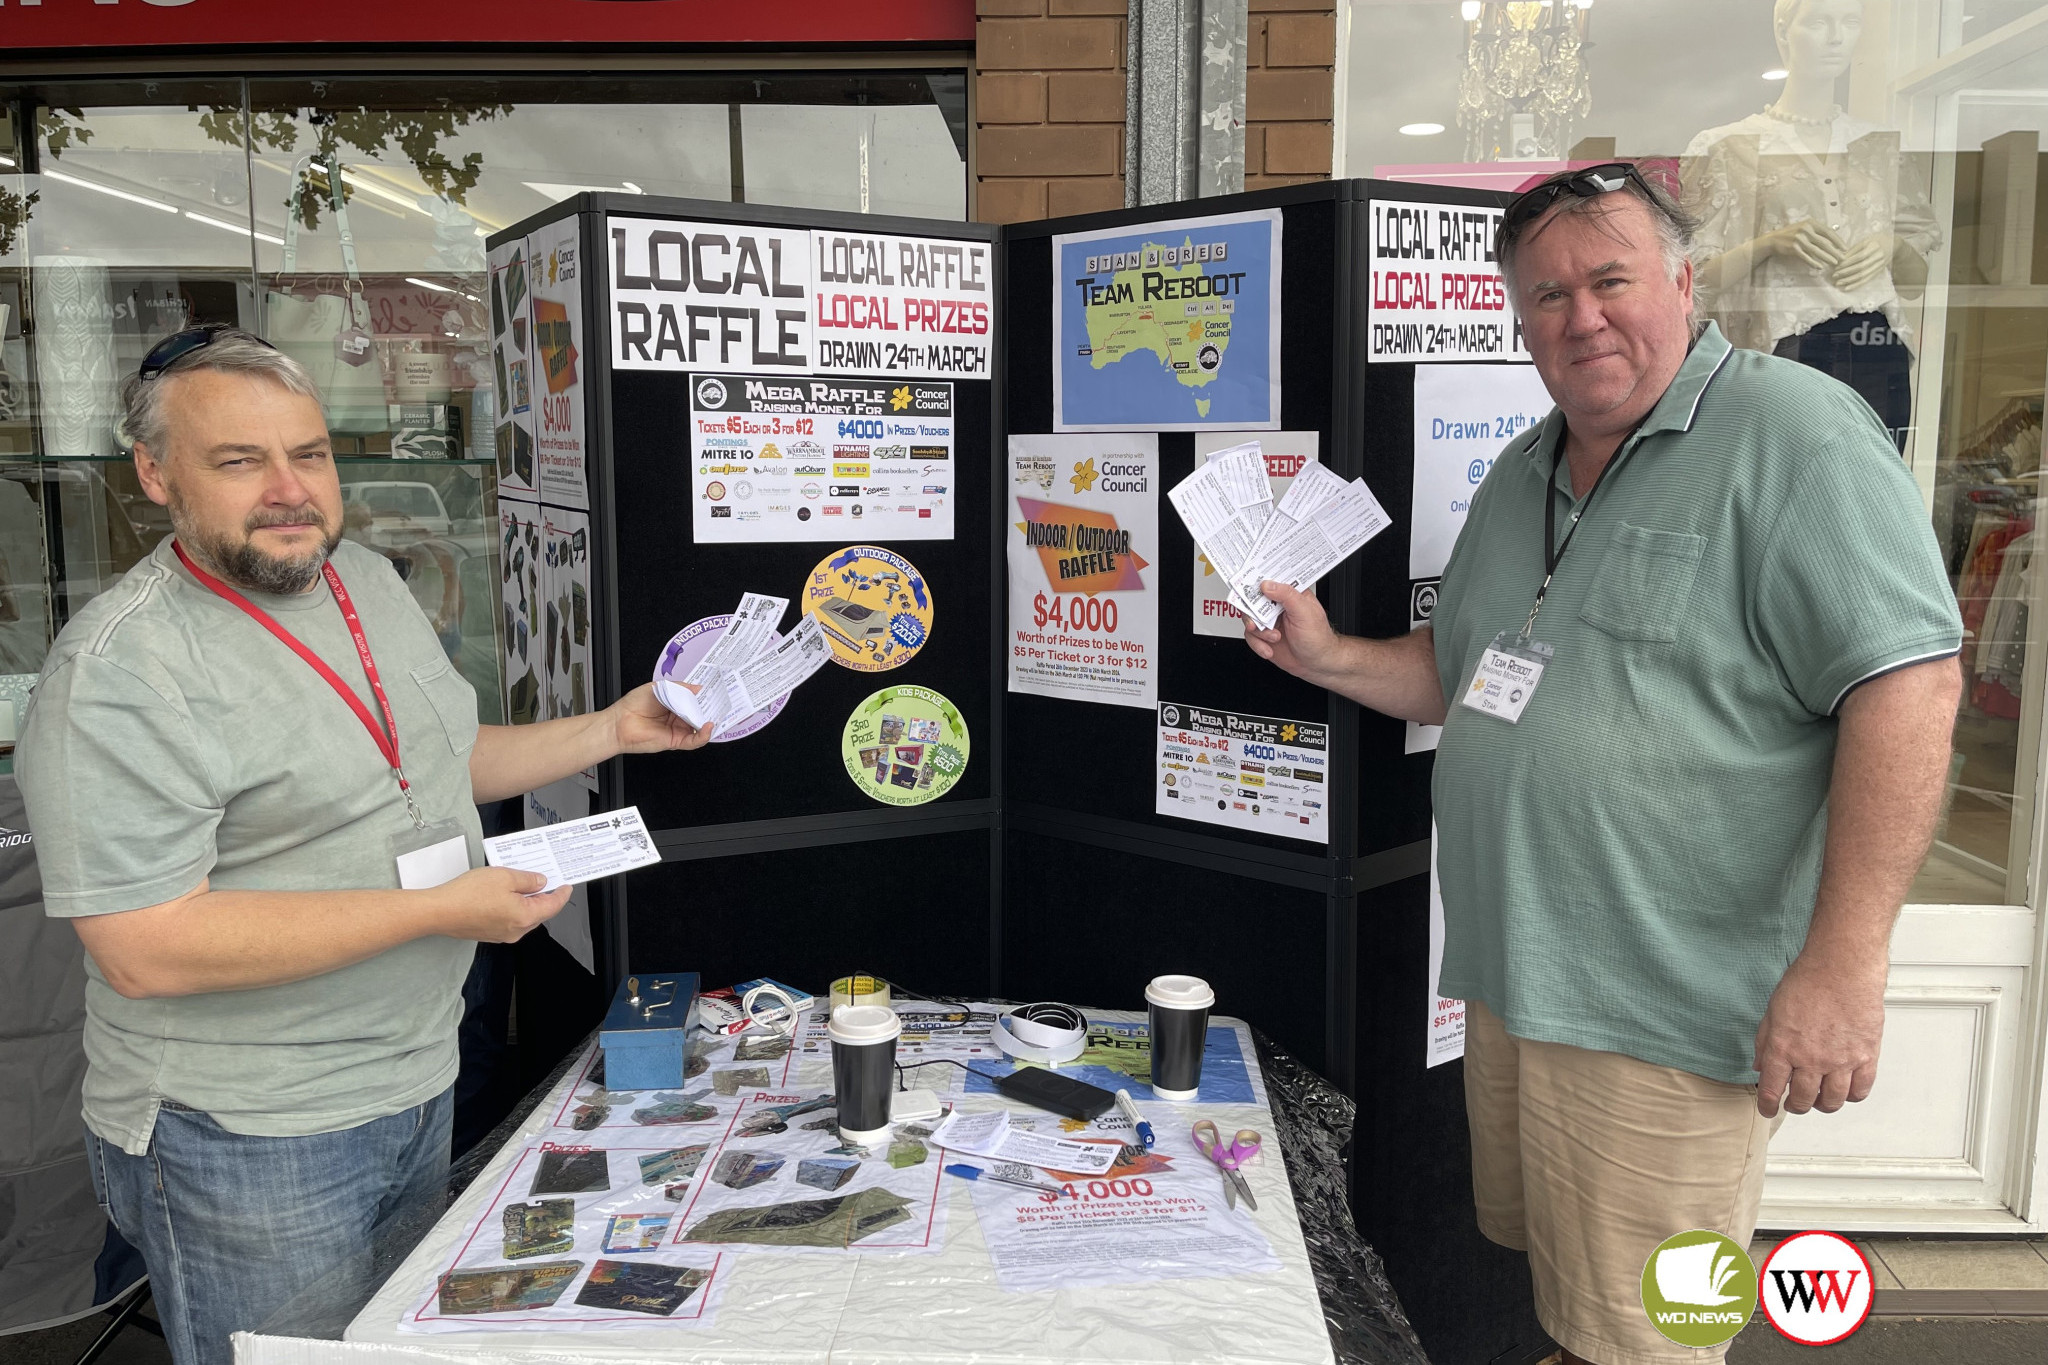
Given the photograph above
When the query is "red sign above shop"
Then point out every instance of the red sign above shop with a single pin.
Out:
(48, 24)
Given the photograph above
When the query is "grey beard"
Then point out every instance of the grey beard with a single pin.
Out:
(251, 570)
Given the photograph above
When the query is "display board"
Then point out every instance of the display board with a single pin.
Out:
(770, 401)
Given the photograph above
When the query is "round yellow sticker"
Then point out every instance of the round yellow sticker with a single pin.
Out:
(874, 605)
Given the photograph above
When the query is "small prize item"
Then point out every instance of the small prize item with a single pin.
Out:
(352, 346)
(761, 1004)
(645, 1030)
(1241, 1148)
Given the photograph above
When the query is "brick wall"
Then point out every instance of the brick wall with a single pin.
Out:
(1049, 102)
(1049, 108)
(1289, 91)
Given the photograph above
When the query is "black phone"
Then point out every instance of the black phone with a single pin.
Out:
(1051, 1091)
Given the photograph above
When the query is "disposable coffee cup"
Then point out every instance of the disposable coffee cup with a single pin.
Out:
(863, 1069)
(1179, 1007)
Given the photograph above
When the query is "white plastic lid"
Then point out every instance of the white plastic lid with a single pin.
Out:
(864, 1024)
(1180, 993)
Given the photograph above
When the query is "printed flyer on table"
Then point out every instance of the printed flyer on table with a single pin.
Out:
(1083, 543)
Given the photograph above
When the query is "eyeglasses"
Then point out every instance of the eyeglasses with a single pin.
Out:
(1589, 183)
(178, 345)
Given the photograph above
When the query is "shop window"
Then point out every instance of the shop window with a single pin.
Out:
(129, 209)
(1905, 134)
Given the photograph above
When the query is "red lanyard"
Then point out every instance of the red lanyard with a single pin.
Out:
(387, 745)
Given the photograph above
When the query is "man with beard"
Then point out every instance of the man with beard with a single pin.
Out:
(253, 778)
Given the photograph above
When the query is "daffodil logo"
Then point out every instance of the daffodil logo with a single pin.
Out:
(1288, 732)
(1083, 477)
(900, 399)
(1699, 1288)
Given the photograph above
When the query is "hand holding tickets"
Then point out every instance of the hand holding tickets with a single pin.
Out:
(577, 850)
(747, 668)
(1228, 508)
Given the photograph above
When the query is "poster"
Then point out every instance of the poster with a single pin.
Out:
(555, 319)
(910, 307)
(729, 297)
(511, 370)
(1158, 1215)
(1464, 416)
(1437, 292)
(1254, 773)
(519, 591)
(904, 746)
(1446, 1016)
(551, 805)
(1083, 539)
(1285, 453)
(563, 621)
(1170, 327)
(804, 458)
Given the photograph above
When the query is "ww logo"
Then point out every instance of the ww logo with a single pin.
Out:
(1816, 1288)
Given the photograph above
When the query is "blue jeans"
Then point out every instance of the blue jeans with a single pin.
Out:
(232, 1227)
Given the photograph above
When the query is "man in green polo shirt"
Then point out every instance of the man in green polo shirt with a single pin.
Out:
(1694, 656)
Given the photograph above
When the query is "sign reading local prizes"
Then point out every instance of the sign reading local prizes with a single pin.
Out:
(905, 746)
(1083, 542)
(1437, 292)
(1174, 327)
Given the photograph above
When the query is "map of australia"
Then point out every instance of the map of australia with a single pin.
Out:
(1168, 326)
(1180, 313)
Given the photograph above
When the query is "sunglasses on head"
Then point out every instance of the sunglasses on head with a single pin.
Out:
(178, 345)
(1589, 183)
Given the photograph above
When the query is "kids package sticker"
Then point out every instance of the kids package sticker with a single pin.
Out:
(905, 745)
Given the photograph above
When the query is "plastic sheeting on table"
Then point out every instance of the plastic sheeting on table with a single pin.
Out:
(884, 1308)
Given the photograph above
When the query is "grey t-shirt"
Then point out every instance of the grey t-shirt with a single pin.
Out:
(172, 739)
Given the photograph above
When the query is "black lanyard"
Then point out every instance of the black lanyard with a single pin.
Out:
(1552, 557)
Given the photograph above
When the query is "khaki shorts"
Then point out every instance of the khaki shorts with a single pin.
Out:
(1587, 1160)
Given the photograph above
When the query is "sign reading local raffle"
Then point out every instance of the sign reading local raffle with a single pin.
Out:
(1437, 292)
(733, 298)
(806, 458)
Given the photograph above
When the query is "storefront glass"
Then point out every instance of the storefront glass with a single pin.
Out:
(1871, 186)
(320, 212)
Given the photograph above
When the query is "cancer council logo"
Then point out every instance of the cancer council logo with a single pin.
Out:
(1815, 1288)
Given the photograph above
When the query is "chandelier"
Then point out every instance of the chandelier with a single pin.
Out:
(1526, 84)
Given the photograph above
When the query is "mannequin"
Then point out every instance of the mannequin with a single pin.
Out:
(1811, 220)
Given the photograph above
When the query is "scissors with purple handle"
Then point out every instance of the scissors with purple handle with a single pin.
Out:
(1242, 1148)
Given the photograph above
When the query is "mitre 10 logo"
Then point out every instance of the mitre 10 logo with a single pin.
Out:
(1815, 1288)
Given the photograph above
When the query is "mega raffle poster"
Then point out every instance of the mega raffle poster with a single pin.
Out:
(1083, 538)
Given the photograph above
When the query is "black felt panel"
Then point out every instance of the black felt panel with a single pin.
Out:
(1092, 925)
(791, 767)
(914, 910)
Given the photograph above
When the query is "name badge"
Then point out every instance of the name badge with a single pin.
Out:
(1507, 676)
(431, 856)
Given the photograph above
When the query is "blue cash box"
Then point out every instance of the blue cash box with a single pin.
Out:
(646, 1032)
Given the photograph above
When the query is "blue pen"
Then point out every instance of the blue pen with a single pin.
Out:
(1130, 1111)
(977, 1173)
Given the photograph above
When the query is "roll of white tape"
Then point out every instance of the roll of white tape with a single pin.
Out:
(1045, 1032)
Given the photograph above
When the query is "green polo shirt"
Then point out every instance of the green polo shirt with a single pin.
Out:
(1631, 867)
